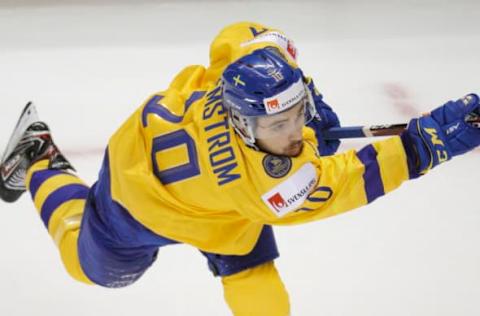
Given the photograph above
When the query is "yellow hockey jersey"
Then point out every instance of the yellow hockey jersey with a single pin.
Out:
(178, 167)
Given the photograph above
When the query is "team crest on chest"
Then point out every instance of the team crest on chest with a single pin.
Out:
(277, 166)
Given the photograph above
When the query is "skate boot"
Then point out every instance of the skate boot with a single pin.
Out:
(31, 141)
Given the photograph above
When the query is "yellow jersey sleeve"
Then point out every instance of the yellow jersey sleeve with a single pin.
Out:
(308, 187)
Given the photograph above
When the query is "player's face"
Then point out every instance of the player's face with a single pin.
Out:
(281, 134)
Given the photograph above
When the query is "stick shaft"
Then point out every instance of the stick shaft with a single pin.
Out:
(375, 130)
(364, 131)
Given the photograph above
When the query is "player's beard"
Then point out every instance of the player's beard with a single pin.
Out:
(294, 148)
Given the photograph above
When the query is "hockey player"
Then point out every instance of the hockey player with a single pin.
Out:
(215, 160)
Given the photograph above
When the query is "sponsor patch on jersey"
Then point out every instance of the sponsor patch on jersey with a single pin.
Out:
(285, 99)
(277, 38)
(277, 166)
(291, 193)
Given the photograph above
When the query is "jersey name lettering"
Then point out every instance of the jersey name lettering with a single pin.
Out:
(221, 154)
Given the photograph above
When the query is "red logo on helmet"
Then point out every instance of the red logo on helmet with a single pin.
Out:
(292, 50)
(273, 104)
(277, 202)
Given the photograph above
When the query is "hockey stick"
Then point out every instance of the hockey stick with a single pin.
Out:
(378, 130)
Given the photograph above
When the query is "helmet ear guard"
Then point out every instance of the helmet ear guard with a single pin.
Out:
(243, 127)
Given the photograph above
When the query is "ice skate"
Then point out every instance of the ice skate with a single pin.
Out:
(30, 141)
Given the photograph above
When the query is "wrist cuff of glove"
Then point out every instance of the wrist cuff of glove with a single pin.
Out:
(412, 156)
(426, 144)
(434, 139)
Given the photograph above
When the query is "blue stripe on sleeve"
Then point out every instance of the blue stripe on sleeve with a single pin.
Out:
(39, 177)
(60, 196)
(373, 180)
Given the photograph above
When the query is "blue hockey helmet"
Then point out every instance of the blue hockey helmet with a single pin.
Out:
(262, 83)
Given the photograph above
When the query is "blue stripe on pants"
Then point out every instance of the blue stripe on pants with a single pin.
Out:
(60, 196)
(372, 178)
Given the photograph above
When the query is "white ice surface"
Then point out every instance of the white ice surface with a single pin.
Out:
(88, 66)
